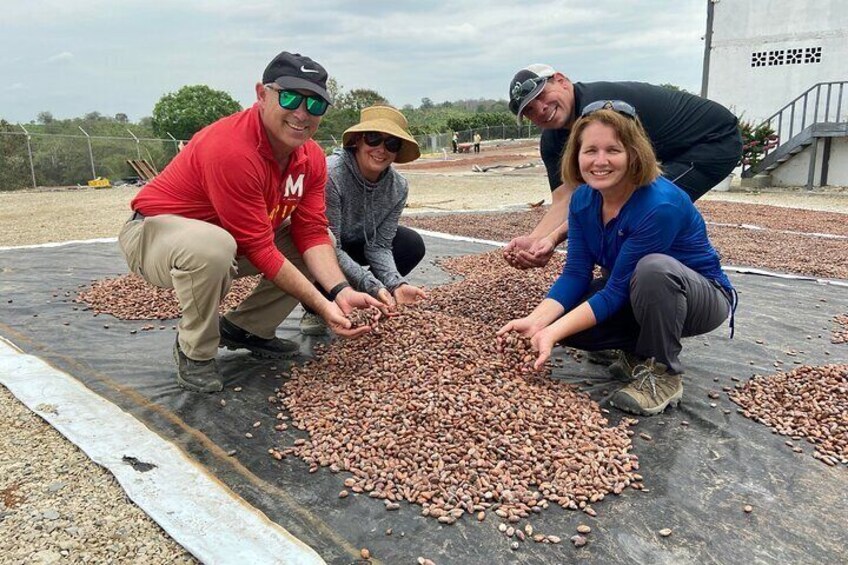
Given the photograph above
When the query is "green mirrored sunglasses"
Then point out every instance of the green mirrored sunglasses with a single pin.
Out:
(292, 99)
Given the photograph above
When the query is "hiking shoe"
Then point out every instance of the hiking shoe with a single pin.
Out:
(233, 337)
(651, 391)
(312, 324)
(603, 356)
(622, 368)
(197, 376)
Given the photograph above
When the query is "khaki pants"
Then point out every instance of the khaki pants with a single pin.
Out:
(198, 260)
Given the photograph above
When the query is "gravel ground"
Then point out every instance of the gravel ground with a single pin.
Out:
(57, 506)
(55, 499)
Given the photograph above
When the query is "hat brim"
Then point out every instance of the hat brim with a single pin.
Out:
(296, 83)
(529, 98)
(409, 150)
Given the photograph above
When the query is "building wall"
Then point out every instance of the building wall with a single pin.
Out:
(767, 52)
(794, 172)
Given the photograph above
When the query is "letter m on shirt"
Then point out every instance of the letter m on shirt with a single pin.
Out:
(294, 188)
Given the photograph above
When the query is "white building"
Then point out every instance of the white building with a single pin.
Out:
(761, 55)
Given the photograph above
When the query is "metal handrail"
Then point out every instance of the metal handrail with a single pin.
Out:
(802, 111)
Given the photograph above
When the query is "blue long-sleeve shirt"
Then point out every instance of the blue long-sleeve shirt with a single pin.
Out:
(658, 218)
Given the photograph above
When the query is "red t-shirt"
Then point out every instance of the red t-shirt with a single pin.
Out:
(227, 176)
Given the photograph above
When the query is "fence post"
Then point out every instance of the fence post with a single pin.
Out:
(137, 144)
(29, 154)
(90, 153)
(176, 143)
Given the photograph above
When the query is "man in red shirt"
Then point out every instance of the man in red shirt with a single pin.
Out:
(245, 197)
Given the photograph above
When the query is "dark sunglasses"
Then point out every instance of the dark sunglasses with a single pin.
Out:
(522, 89)
(373, 139)
(292, 99)
(619, 106)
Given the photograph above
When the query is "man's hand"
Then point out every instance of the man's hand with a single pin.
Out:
(349, 299)
(526, 252)
(408, 294)
(340, 324)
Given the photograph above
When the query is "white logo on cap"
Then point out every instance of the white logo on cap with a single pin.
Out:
(305, 70)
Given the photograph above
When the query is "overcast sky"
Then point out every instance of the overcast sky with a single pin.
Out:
(111, 56)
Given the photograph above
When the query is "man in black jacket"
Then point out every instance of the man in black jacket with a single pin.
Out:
(696, 140)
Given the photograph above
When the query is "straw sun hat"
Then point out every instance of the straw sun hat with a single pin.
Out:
(385, 119)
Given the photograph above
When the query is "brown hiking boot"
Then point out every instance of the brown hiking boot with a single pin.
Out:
(622, 368)
(197, 376)
(651, 390)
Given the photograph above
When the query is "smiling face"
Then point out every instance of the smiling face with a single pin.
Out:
(372, 161)
(603, 160)
(287, 129)
(553, 108)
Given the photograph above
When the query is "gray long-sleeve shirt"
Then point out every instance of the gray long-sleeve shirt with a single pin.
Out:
(366, 212)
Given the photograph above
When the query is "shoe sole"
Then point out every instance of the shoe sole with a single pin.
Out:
(261, 353)
(632, 407)
(208, 389)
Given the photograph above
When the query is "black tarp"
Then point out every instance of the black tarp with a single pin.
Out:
(698, 477)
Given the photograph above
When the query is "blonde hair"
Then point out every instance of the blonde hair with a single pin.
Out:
(642, 166)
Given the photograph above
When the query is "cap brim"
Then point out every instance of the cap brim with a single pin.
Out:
(301, 84)
(409, 150)
(529, 98)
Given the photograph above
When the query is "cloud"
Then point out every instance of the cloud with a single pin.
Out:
(61, 57)
(15, 86)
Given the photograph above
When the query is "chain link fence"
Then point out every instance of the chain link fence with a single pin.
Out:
(30, 160)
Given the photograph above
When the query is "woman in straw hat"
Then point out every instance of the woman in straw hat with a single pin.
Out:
(365, 197)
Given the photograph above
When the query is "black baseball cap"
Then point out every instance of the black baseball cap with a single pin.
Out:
(526, 85)
(298, 72)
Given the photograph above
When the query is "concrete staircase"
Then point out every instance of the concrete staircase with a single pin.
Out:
(820, 113)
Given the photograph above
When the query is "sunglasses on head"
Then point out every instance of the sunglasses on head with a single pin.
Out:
(619, 106)
(522, 89)
(292, 99)
(373, 139)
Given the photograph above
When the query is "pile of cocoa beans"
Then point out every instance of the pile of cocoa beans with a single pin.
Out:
(433, 409)
(130, 297)
(807, 404)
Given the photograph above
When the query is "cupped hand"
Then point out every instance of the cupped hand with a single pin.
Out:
(408, 294)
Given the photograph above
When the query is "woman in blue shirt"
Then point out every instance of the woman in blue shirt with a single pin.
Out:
(663, 280)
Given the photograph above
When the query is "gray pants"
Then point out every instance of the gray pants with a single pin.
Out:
(668, 301)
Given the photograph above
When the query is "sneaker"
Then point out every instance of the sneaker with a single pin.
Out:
(233, 337)
(197, 376)
(622, 368)
(603, 356)
(651, 391)
(312, 324)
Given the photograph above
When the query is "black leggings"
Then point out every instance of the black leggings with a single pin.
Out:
(407, 249)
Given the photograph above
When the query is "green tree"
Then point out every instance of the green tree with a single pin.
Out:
(190, 109)
(360, 98)
(673, 87)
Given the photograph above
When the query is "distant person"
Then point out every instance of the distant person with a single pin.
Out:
(365, 199)
(696, 140)
(245, 197)
(455, 142)
(662, 281)
(477, 139)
